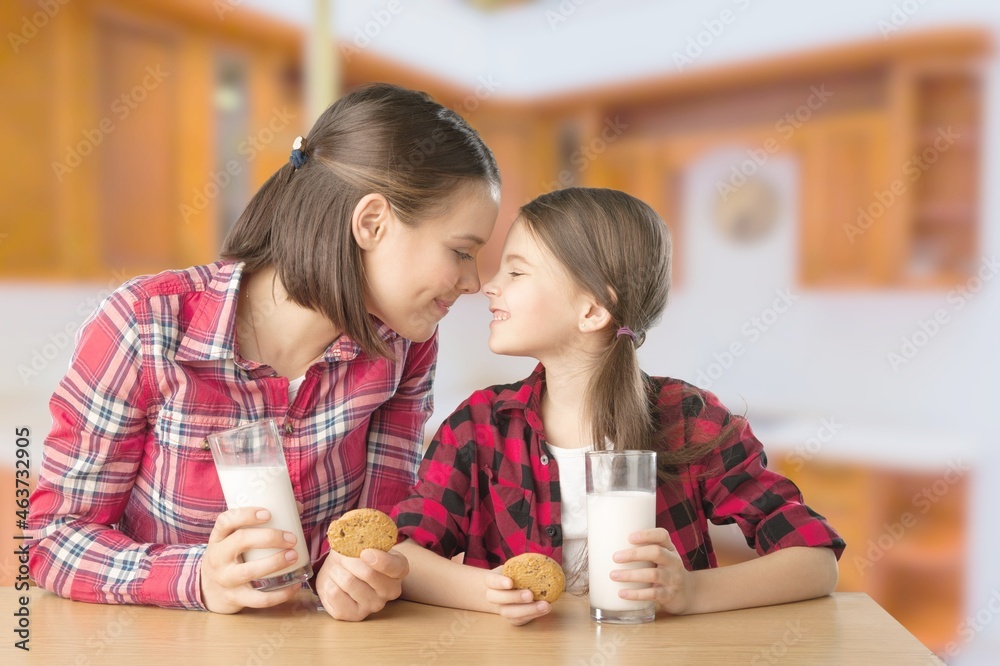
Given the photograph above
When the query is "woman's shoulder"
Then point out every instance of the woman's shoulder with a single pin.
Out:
(183, 280)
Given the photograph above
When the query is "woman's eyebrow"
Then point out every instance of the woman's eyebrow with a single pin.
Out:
(472, 238)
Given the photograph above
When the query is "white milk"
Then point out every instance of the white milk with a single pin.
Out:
(268, 488)
(611, 517)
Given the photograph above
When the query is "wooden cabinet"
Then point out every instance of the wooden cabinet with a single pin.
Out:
(906, 534)
(848, 207)
(115, 124)
(886, 136)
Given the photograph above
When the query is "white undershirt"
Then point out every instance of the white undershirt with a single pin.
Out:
(293, 388)
(573, 488)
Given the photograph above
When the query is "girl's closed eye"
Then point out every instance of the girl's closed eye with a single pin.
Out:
(514, 274)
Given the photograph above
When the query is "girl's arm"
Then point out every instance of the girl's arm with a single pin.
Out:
(791, 574)
(439, 581)
(782, 576)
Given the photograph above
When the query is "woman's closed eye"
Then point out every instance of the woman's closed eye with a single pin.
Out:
(464, 256)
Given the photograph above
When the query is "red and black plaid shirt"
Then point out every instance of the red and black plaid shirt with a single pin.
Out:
(489, 487)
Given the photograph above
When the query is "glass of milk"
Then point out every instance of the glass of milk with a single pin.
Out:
(621, 499)
(252, 472)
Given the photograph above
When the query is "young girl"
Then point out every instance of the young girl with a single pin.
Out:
(322, 315)
(584, 274)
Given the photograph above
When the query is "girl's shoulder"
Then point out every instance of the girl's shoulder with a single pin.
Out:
(500, 402)
(681, 399)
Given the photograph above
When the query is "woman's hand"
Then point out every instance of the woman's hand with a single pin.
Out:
(225, 579)
(671, 585)
(516, 606)
(352, 588)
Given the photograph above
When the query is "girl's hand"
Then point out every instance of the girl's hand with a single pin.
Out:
(225, 580)
(352, 588)
(671, 585)
(516, 606)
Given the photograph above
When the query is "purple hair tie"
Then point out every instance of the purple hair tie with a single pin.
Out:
(625, 330)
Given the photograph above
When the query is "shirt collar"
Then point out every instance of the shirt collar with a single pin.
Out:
(525, 396)
(211, 333)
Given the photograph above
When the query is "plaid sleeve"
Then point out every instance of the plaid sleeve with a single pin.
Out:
(90, 461)
(396, 430)
(436, 514)
(738, 487)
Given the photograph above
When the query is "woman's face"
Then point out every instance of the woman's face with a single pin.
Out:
(415, 274)
(535, 305)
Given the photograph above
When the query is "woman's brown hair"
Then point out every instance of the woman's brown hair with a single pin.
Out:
(379, 138)
(616, 248)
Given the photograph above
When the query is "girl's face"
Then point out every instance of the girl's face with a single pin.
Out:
(415, 274)
(537, 309)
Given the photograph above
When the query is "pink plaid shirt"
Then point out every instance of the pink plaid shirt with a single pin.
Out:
(128, 493)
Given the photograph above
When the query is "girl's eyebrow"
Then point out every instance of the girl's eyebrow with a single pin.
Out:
(517, 257)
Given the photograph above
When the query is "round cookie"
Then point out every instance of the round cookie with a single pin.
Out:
(359, 529)
(538, 573)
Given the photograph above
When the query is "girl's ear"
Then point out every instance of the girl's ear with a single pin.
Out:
(370, 220)
(595, 317)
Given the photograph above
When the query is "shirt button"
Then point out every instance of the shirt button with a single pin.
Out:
(204, 444)
(551, 531)
(289, 428)
(544, 459)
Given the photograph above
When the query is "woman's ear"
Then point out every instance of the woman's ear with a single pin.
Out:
(370, 220)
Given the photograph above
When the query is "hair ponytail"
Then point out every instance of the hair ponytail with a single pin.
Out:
(617, 403)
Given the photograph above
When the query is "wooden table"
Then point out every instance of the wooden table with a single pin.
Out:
(845, 628)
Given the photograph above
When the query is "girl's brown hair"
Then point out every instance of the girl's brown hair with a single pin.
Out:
(380, 138)
(616, 248)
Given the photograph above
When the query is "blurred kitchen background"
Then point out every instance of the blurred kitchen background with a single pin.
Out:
(825, 170)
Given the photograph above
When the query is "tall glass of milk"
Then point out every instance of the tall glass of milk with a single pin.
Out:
(621, 499)
(252, 472)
